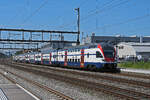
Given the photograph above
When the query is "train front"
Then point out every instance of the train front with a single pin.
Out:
(109, 62)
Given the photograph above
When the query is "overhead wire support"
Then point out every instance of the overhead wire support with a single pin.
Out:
(45, 31)
(15, 43)
(0, 34)
(30, 33)
(78, 24)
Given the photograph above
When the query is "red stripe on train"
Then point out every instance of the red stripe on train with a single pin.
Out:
(50, 58)
(41, 58)
(65, 62)
(34, 58)
(82, 58)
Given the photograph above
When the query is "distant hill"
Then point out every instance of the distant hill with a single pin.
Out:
(2, 55)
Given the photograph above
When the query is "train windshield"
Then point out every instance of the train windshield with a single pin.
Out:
(109, 54)
(109, 51)
(98, 55)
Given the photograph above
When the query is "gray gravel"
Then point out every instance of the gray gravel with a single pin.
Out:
(117, 84)
(75, 92)
(3, 80)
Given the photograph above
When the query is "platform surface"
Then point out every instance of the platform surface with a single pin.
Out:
(13, 92)
(136, 70)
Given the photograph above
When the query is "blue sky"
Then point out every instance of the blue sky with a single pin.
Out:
(124, 17)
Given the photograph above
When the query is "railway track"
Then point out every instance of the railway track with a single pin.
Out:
(133, 74)
(108, 89)
(116, 79)
(128, 74)
(58, 94)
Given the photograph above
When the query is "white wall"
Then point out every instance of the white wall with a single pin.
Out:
(125, 50)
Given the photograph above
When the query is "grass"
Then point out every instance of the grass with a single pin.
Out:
(136, 65)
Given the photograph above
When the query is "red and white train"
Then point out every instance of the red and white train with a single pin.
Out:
(96, 56)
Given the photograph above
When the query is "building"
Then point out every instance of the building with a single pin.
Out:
(114, 39)
(134, 50)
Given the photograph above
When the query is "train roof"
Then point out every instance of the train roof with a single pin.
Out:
(93, 45)
(78, 47)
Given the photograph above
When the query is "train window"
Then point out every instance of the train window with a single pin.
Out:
(54, 56)
(121, 47)
(109, 54)
(78, 60)
(98, 54)
(88, 55)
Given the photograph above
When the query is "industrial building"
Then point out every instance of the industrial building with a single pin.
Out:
(115, 39)
(133, 50)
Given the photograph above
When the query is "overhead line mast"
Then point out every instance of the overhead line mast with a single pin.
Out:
(78, 24)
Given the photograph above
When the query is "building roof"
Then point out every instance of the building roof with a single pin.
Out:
(115, 39)
(135, 44)
(138, 47)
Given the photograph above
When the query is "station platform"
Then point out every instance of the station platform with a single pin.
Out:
(15, 92)
(136, 70)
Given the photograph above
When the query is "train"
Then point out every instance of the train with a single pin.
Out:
(100, 57)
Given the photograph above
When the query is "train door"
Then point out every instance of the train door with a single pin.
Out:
(29, 59)
(57, 62)
(34, 58)
(50, 58)
(82, 58)
(41, 58)
(65, 61)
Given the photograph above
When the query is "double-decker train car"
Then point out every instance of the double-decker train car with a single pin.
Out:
(96, 56)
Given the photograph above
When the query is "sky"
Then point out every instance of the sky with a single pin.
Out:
(102, 17)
